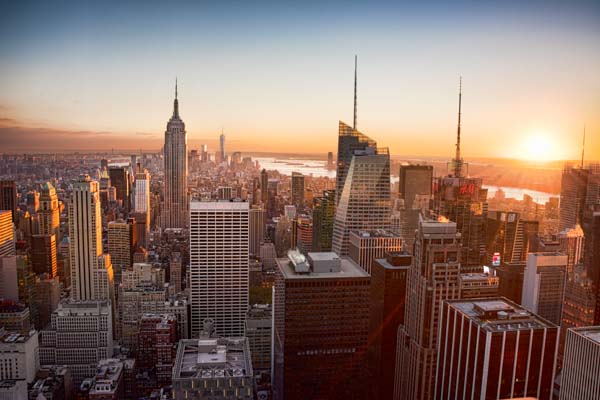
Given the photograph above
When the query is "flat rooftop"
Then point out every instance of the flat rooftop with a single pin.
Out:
(219, 205)
(349, 269)
(590, 332)
(212, 358)
(500, 314)
(377, 233)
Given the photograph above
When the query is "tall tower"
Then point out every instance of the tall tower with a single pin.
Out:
(364, 202)
(432, 278)
(175, 213)
(222, 147)
(298, 190)
(462, 199)
(219, 266)
(8, 197)
(49, 211)
(142, 205)
(85, 236)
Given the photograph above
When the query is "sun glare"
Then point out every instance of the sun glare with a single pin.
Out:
(539, 147)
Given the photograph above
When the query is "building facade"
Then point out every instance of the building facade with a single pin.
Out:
(219, 266)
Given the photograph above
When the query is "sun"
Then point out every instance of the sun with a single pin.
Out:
(539, 146)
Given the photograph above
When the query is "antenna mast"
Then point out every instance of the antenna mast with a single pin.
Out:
(355, 68)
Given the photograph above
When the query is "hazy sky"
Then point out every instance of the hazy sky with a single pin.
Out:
(277, 76)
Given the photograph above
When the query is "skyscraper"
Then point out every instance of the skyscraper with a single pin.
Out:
(257, 228)
(8, 197)
(544, 285)
(43, 255)
(573, 193)
(508, 237)
(264, 182)
(462, 199)
(349, 141)
(367, 246)
(432, 278)
(176, 205)
(7, 236)
(364, 203)
(222, 148)
(388, 300)
(298, 190)
(304, 233)
(415, 186)
(323, 213)
(122, 237)
(581, 370)
(321, 319)
(49, 213)
(494, 349)
(85, 236)
(219, 267)
(119, 179)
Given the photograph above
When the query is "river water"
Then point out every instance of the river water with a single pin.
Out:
(318, 168)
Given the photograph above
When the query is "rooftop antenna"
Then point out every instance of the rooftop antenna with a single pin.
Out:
(355, 69)
(583, 147)
(176, 88)
(457, 159)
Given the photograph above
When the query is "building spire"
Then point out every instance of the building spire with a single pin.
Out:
(355, 78)
(458, 162)
(176, 102)
(583, 147)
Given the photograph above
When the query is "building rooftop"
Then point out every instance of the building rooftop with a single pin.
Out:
(212, 358)
(590, 332)
(348, 268)
(107, 376)
(377, 233)
(500, 314)
(15, 337)
(219, 205)
(82, 307)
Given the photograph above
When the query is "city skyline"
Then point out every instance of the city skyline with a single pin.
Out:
(265, 76)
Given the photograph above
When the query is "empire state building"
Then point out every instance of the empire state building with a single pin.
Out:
(176, 206)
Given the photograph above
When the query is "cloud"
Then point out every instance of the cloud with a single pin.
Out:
(26, 139)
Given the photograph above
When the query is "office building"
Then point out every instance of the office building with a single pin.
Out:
(7, 235)
(222, 157)
(581, 368)
(19, 355)
(349, 141)
(463, 200)
(415, 191)
(219, 266)
(366, 246)
(298, 190)
(43, 254)
(175, 269)
(52, 382)
(119, 179)
(511, 276)
(264, 182)
(257, 228)
(544, 285)
(571, 244)
(364, 203)
(508, 237)
(49, 212)
(122, 240)
(432, 278)
(157, 346)
(108, 382)
(142, 206)
(321, 322)
(47, 298)
(573, 194)
(388, 300)
(259, 324)
(33, 202)
(304, 233)
(215, 369)
(176, 204)
(494, 349)
(9, 287)
(8, 198)
(323, 214)
(80, 334)
(478, 285)
(85, 236)
(14, 316)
